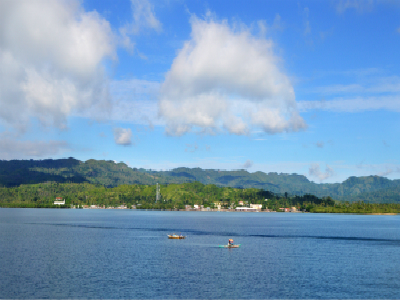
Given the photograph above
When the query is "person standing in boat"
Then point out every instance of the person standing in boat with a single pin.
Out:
(230, 242)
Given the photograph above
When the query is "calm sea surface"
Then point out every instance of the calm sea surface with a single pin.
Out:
(109, 254)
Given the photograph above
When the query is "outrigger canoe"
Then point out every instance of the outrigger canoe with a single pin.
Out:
(230, 246)
(176, 237)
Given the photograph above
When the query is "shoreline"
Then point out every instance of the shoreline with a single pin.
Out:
(215, 210)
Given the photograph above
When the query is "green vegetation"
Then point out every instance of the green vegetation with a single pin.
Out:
(373, 189)
(174, 196)
(108, 174)
(357, 207)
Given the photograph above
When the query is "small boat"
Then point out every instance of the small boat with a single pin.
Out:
(176, 237)
(230, 246)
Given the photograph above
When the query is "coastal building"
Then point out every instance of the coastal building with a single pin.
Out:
(59, 201)
(256, 206)
(287, 209)
(221, 204)
(246, 209)
(217, 205)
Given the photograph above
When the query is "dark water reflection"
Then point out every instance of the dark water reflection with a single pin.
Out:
(112, 254)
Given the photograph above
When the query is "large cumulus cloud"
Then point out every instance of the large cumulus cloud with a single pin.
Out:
(227, 79)
(51, 55)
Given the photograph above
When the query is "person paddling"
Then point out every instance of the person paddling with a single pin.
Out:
(230, 242)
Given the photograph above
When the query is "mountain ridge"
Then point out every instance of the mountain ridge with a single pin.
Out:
(111, 174)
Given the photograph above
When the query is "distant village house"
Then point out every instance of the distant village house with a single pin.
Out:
(245, 209)
(286, 209)
(59, 201)
(256, 206)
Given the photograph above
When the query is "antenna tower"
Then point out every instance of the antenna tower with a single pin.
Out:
(157, 193)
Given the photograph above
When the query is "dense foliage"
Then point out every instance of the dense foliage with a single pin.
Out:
(173, 196)
(373, 189)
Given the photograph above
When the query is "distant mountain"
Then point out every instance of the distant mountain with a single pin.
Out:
(111, 174)
(388, 195)
(107, 173)
(293, 184)
(17, 172)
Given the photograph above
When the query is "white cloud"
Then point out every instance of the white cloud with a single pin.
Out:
(123, 136)
(51, 55)
(389, 171)
(277, 25)
(314, 171)
(248, 164)
(373, 84)
(14, 149)
(235, 125)
(383, 169)
(353, 105)
(307, 27)
(226, 79)
(371, 91)
(135, 101)
(385, 173)
(191, 148)
(143, 18)
(360, 6)
(264, 28)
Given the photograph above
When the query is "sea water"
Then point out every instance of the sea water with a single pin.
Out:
(110, 254)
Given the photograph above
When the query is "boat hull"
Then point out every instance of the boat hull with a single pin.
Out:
(230, 246)
(173, 237)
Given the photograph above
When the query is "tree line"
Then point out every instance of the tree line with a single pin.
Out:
(13, 173)
(174, 196)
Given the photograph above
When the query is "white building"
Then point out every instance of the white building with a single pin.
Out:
(245, 209)
(59, 201)
(256, 206)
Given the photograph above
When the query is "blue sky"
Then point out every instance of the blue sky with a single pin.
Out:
(306, 87)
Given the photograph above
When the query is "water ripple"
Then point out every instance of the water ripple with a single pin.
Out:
(223, 233)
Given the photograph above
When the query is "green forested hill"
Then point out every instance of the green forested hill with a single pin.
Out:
(388, 195)
(143, 196)
(106, 173)
(277, 183)
(16, 172)
(353, 188)
(174, 196)
(110, 174)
